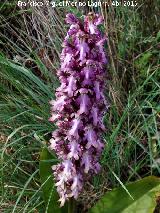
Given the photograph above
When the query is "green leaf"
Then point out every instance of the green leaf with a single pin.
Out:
(158, 36)
(28, 74)
(143, 191)
(49, 191)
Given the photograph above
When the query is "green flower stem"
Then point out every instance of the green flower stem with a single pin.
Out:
(72, 206)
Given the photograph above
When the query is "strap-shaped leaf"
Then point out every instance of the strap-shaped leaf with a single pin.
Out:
(49, 191)
(144, 192)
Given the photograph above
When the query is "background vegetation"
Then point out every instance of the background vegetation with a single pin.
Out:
(30, 48)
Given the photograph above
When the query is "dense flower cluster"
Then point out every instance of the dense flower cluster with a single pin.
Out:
(79, 106)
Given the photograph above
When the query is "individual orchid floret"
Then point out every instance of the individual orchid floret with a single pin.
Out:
(91, 23)
(79, 106)
(76, 125)
(82, 46)
(84, 104)
(77, 184)
(91, 137)
(71, 86)
(88, 74)
(75, 150)
(71, 19)
(58, 105)
(67, 60)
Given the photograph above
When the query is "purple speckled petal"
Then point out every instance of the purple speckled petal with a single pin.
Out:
(83, 49)
(73, 30)
(52, 144)
(91, 23)
(71, 86)
(76, 125)
(92, 28)
(91, 137)
(76, 185)
(100, 45)
(59, 103)
(74, 150)
(66, 61)
(88, 74)
(98, 19)
(71, 19)
(67, 167)
(84, 104)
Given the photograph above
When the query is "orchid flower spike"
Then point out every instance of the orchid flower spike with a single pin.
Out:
(79, 106)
